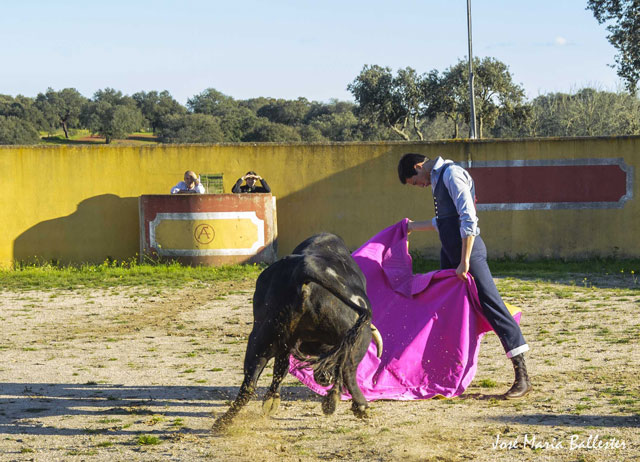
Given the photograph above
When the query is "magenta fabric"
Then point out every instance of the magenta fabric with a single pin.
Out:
(431, 325)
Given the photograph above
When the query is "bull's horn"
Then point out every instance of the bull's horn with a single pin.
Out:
(377, 338)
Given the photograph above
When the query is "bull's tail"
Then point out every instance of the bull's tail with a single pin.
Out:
(327, 368)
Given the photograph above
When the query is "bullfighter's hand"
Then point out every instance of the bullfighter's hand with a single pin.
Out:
(462, 270)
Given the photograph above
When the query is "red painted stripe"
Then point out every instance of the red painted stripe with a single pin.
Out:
(575, 183)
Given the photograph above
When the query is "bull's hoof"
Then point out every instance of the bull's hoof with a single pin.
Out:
(270, 404)
(360, 411)
(330, 403)
(220, 425)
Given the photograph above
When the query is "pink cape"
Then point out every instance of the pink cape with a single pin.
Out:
(431, 325)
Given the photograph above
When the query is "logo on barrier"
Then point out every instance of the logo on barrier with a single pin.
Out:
(207, 233)
(204, 233)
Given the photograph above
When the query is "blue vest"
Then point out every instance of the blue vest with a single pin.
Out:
(442, 201)
(448, 219)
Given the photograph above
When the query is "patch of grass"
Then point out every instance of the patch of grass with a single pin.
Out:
(582, 407)
(107, 421)
(104, 444)
(615, 392)
(564, 293)
(78, 452)
(342, 430)
(117, 274)
(139, 411)
(618, 401)
(522, 266)
(487, 383)
(148, 440)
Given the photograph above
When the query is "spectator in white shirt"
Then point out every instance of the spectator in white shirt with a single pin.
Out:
(190, 185)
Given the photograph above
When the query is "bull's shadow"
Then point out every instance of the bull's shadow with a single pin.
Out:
(23, 404)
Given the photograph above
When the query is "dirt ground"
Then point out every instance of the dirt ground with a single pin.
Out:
(139, 374)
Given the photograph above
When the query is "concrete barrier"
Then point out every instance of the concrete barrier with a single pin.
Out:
(208, 229)
(568, 198)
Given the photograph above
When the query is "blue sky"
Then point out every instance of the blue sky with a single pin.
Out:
(290, 48)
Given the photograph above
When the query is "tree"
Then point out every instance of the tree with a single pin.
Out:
(190, 128)
(17, 131)
(311, 134)
(236, 119)
(623, 17)
(61, 108)
(286, 112)
(335, 121)
(23, 108)
(514, 123)
(211, 102)
(254, 104)
(237, 122)
(112, 115)
(447, 96)
(588, 112)
(156, 106)
(273, 132)
(495, 92)
(394, 102)
(438, 127)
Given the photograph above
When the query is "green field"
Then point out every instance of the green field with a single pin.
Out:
(84, 137)
(586, 273)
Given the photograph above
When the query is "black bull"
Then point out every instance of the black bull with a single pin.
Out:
(313, 305)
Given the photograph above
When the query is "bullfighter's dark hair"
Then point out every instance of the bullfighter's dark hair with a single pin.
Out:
(406, 166)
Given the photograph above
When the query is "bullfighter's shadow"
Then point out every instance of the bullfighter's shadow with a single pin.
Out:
(22, 404)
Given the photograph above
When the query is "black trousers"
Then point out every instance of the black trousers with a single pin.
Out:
(494, 309)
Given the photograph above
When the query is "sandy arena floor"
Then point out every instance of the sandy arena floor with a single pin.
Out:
(135, 375)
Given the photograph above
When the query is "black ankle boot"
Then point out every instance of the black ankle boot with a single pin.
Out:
(522, 385)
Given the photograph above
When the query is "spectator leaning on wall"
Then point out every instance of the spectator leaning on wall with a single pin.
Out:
(190, 185)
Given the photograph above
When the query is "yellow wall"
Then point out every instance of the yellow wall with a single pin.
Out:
(79, 203)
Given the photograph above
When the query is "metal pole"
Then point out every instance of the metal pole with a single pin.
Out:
(472, 113)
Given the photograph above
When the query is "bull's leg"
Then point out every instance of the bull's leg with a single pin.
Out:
(359, 404)
(272, 397)
(258, 354)
(349, 372)
(331, 400)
